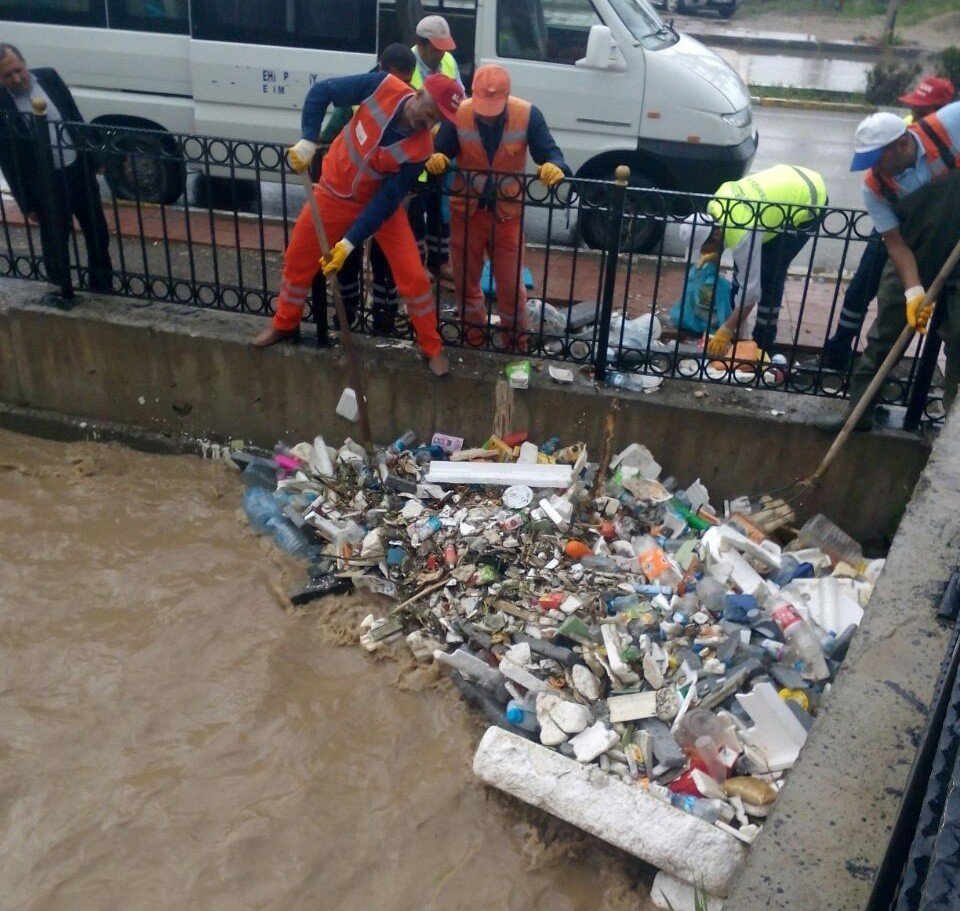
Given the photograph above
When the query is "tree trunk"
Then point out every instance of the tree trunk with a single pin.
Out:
(409, 13)
(890, 21)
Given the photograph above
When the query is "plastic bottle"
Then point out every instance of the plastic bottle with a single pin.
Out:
(791, 568)
(685, 608)
(521, 715)
(711, 593)
(695, 806)
(803, 642)
(287, 537)
(632, 381)
(832, 540)
(260, 473)
(695, 724)
(450, 556)
(427, 528)
(654, 563)
(706, 748)
(403, 442)
(261, 506)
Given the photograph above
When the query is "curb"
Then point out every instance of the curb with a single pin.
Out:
(846, 48)
(812, 104)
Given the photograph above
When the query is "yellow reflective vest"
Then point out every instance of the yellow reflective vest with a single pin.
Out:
(766, 200)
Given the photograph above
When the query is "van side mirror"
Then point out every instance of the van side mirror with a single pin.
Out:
(603, 52)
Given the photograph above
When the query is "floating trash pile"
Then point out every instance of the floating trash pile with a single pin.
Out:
(602, 611)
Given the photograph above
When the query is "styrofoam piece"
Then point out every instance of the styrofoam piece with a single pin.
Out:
(320, 462)
(500, 474)
(592, 742)
(347, 406)
(672, 894)
(621, 814)
(617, 665)
(585, 682)
(519, 675)
(830, 602)
(776, 732)
(560, 374)
(528, 454)
(742, 574)
(633, 706)
(469, 665)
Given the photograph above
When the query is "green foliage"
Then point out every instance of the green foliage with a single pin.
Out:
(950, 64)
(888, 79)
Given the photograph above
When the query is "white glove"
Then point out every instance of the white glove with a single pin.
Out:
(301, 154)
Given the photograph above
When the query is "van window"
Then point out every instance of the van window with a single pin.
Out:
(553, 31)
(150, 15)
(57, 12)
(337, 25)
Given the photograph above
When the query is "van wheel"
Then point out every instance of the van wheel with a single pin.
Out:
(639, 233)
(144, 165)
(676, 6)
(726, 12)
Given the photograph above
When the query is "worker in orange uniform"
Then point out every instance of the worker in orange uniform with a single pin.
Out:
(492, 133)
(371, 166)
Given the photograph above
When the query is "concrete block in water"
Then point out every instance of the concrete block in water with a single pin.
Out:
(621, 814)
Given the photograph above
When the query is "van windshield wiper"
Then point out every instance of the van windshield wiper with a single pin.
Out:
(663, 31)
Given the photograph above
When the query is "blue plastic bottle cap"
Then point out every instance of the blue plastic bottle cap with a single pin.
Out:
(514, 714)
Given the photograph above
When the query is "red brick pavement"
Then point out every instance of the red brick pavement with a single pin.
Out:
(571, 276)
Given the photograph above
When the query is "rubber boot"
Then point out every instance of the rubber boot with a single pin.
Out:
(858, 386)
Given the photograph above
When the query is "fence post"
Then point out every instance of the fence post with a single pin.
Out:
(614, 224)
(928, 363)
(56, 244)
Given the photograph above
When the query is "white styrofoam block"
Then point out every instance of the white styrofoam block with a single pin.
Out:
(502, 474)
(672, 894)
(621, 814)
(776, 731)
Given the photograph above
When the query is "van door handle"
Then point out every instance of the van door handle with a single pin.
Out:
(605, 123)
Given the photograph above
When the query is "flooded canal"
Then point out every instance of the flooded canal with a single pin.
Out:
(171, 739)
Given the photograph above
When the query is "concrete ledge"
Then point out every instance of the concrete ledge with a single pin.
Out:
(672, 894)
(620, 814)
(179, 371)
(808, 44)
(828, 831)
(810, 104)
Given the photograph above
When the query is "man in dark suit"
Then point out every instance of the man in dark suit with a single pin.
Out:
(75, 170)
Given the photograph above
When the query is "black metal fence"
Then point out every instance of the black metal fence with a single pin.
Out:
(609, 273)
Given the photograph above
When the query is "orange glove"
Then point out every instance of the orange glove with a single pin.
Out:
(719, 343)
(338, 256)
(437, 163)
(918, 312)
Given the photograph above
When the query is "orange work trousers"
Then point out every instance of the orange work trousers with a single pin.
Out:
(301, 259)
(471, 240)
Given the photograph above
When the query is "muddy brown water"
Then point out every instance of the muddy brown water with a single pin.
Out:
(170, 738)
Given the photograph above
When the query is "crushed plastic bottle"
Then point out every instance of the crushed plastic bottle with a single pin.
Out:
(260, 507)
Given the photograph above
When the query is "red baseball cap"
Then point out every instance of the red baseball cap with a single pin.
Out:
(931, 91)
(446, 92)
(491, 87)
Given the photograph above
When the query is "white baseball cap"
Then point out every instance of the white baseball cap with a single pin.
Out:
(436, 30)
(696, 228)
(873, 135)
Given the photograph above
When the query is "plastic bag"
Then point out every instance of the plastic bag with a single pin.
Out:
(690, 314)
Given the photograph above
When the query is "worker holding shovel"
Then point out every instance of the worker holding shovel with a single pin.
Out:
(370, 168)
(912, 193)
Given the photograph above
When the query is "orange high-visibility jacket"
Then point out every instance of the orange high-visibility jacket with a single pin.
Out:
(510, 158)
(940, 151)
(357, 164)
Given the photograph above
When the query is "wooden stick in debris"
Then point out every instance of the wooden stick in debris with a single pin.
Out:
(606, 447)
(420, 594)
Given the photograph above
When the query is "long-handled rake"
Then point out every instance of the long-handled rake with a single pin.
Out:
(775, 508)
(353, 367)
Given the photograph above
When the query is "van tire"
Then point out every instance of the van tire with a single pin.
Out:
(144, 165)
(634, 238)
(725, 12)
